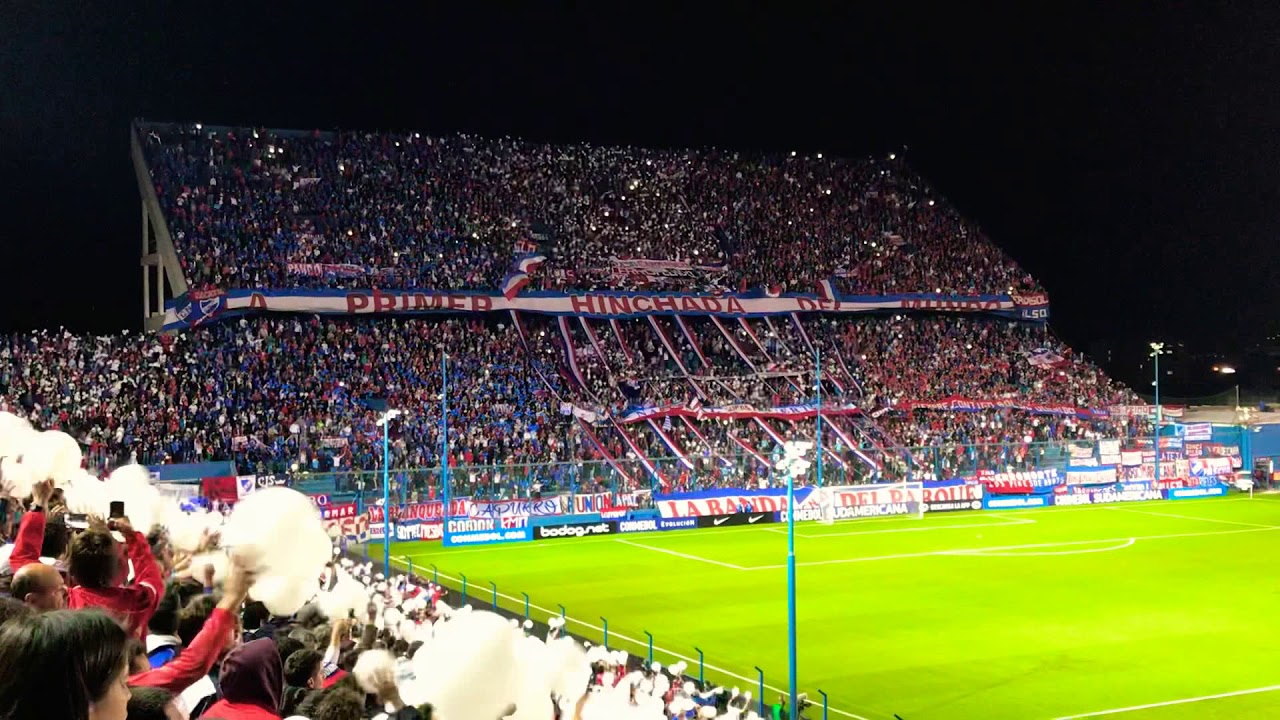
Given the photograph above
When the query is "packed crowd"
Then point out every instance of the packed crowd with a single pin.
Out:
(305, 392)
(150, 627)
(255, 208)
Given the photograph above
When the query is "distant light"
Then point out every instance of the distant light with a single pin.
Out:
(199, 126)
(819, 156)
(793, 153)
(1225, 370)
(930, 203)
(893, 156)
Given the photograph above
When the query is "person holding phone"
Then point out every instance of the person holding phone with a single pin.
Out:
(99, 568)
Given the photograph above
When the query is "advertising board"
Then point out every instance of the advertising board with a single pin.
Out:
(949, 496)
(487, 531)
(1015, 502)
(1196, 492)
(575, 530)
(762, 518)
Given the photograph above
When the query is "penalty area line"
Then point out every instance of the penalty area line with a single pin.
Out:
(1167, 703)
(686, 556)
(990, 550)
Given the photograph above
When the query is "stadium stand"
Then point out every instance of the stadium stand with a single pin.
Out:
(274, 209)
(257, 208)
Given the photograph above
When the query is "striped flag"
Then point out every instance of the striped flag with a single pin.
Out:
(529, 262)
(514, 283)
(826, 290)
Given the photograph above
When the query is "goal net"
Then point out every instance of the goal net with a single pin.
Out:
(851, 502)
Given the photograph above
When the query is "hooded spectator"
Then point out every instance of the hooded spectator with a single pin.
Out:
(252, 681)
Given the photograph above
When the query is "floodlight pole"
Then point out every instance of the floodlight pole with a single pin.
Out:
(385, 421)
(444, 440)
(1155, 353)
(386, 494)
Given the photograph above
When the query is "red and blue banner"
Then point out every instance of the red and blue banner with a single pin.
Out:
(196, 307)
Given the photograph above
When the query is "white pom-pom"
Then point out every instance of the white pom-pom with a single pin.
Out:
(346, 597)
(218, 560)
(277, 534)
(87, 494)
(187, 530)
(374, 669)
(468, 670)
(534, 702)
(16, 477)
(53, 455)
(15, 435)
(567, 666)
(281, 594)
(391, 617)
(143, 504)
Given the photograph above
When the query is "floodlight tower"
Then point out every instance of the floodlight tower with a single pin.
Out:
(385, 423)
(1157, 349)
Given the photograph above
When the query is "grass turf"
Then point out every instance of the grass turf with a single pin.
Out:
(1049, 613)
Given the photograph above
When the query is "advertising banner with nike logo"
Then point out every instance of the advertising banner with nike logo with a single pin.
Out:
(759, 518)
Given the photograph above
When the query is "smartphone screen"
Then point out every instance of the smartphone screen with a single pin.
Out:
(117, 508)
(77, 521)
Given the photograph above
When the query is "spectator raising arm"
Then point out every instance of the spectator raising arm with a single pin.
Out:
(97, 570)
(26, 547)
(217, 635)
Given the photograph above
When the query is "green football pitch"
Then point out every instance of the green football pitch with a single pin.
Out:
(1135, 611)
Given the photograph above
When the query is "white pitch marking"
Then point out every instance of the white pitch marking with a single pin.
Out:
(1188, 517)
(988, 553)
(642, 643)
(686, 556)
(962, 551)
(1004, 522)
(1167, 703)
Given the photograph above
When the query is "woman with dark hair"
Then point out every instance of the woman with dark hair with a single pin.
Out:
(64, 665)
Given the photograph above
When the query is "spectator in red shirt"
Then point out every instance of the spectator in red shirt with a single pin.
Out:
(98, 572)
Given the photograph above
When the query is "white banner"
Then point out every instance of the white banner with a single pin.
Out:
(198, 307)
(727, 502)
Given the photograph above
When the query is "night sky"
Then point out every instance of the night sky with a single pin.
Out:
(1129, 157)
